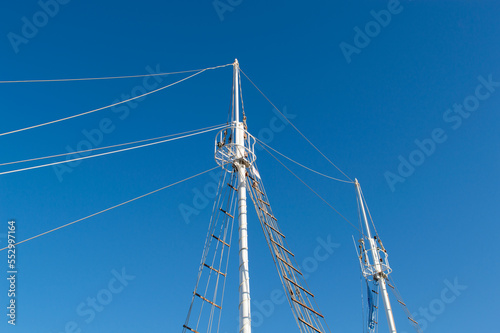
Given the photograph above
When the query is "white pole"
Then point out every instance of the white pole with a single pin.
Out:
(378, 268)
(244, 306)
(236, 85)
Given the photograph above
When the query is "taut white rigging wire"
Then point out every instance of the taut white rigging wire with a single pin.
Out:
(317, 149)
(113, 207)
(309, 187)
(111, 105)
(307, 168)
(113, 146)
(110, 152)
(103, 78)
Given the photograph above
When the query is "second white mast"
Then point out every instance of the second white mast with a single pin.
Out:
(379, 268)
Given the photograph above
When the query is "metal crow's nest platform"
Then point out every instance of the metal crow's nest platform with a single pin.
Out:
(229, 150)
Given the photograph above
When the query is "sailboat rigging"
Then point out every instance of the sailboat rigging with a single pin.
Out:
(235, 154)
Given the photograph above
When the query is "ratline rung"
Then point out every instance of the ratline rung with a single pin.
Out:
(298, 285)
(308, 308)
(275, 230)
(283, 248)
(265, 203)
(189, 328)
(390, 285)
(413, 320)
(220, 240)
(295, 269)
(403, 304)
(255, 187)
(268, 214)
(311, 326)
(215, 270)
(222, 210)
(231, 186)
(206, 300)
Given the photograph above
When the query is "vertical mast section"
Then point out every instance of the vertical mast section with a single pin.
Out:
(239, 164)
(236, 90)
(376, 271)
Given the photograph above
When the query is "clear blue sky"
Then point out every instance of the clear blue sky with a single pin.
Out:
(363, 102)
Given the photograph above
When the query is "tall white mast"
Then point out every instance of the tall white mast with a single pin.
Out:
(239, 133)
(379, 269)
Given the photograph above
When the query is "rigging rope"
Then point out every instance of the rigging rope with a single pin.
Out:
(369, 214)
(105, 78)
(213, 257)
(230, 111)
(317, 194)
(277, 245)
(113, 146)
(361, 279)
(371, 318)
(362, 235)
(208, 240)
(111, 105)
(227, 265)
(399, 298)
(317, 149)
(244, 120)
(108, 153)
(317, 172)
(113, 207)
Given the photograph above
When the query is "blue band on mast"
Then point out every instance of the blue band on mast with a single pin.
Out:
(371, 308)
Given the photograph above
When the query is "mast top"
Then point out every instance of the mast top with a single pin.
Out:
(236, 91)
(357, 184)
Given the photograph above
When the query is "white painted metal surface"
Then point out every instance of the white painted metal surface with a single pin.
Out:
(239, 133)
